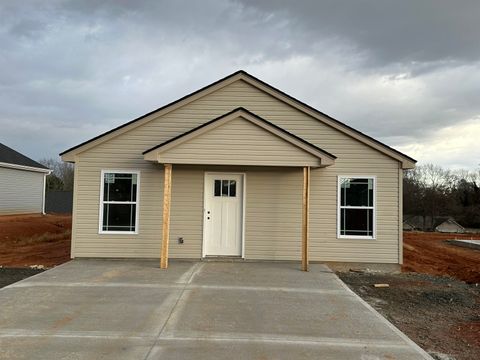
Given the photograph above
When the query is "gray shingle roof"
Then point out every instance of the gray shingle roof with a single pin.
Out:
(10, 156)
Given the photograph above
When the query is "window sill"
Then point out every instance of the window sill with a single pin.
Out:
(353, 237)
(118, 232)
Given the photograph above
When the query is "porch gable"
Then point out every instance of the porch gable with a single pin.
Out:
(239, 138)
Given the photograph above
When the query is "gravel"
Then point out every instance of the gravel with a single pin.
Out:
(439, 313)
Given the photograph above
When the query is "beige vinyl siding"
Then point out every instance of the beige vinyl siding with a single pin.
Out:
(21, 191)
(88, 242)
(186, 217)
(353, 158)
(273, 217)
(271, 231)
(238, 142)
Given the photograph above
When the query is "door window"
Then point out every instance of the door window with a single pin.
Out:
(225, 188)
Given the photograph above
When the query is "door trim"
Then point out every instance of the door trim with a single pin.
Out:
(244, 191)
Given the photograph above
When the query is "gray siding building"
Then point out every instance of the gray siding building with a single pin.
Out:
(22, 183)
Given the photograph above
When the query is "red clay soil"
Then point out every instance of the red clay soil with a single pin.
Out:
(45, 240)
(429, 253)
(27, 240)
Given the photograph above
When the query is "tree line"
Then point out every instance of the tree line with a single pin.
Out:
(61, 177)
(432, 191)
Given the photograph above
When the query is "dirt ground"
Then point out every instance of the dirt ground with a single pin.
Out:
(45, 240)
(27, 240)
(441, 314)
(428, 253)
(436, 300)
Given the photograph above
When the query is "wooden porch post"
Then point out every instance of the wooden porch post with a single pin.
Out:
(167, 192)
(305, 216)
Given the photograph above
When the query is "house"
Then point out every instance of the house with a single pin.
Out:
(417, 223)
(449, 226)
(238, 169)
(408, 226)
(431, 223)
(22, 183)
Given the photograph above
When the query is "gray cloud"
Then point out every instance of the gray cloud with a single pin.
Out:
(400, 71)
(393, 31)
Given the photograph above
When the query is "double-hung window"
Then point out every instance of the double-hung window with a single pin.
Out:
(119, 202)
(356, 207)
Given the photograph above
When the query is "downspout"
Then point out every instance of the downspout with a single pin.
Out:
(44, 190)
(400, 215)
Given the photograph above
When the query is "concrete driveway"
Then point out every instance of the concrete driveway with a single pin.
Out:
(92, 309)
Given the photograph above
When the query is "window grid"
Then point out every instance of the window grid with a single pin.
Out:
(225, 188)
(133, 212)
(342, 231)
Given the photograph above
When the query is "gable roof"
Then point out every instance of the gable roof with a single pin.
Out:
(449, 221)
(407, 162)
(427, 222)
(323, 158)
(13, 159)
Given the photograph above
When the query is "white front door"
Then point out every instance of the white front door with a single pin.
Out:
(223, 214)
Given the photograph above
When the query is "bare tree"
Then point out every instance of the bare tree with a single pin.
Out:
(435, 176)
(61, 177)
(432, 191)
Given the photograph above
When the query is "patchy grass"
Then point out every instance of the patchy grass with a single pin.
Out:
(42, 238)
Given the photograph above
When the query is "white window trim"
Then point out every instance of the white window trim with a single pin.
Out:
(339, 198)
(137, 207)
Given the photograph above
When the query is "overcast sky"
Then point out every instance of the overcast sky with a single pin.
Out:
(405, 72)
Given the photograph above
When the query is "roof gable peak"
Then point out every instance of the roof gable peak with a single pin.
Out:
(406, 161)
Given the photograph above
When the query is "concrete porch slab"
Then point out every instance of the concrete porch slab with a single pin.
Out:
(113, 309)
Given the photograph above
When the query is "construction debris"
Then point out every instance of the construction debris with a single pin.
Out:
(381, 285)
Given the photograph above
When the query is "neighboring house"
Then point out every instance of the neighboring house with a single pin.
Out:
(429, 223)
(407, 226)
(449, 226)
(422, 223)
(417, 222)
(22, 183)
(238, 169)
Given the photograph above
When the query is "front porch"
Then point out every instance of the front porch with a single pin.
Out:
(274, 219)
(238, 139)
